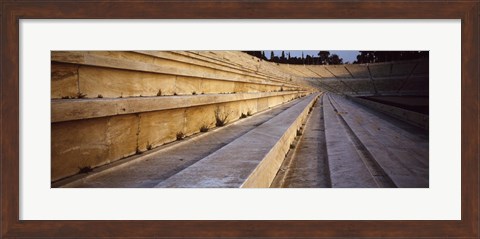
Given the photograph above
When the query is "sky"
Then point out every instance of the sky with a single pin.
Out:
(346, 55)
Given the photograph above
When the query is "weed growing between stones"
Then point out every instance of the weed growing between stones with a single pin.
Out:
(221, 116)
(137, 151)
(80, 95)
(180, 135)
(204, 128)
(85, 169)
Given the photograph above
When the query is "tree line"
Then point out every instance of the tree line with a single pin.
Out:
(325, 58)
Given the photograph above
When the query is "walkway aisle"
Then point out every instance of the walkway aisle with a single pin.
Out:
(309, 169)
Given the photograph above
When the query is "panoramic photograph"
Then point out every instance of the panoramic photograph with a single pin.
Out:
(240, 119)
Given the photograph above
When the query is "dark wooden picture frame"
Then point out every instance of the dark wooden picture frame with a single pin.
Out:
(13, 11)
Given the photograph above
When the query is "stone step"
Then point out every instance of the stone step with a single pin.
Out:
(98, 59)
(399, 149)
(355, 147)
(415, 118)
(347, 169)
(213, 62)
(75, 109)
(152, 167)
(251, 160)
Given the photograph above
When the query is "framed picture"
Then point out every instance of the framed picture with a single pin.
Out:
(176, 119)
